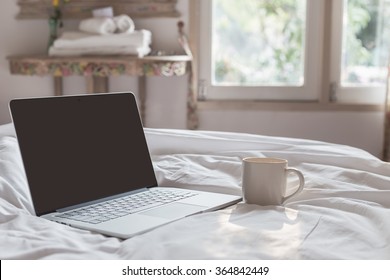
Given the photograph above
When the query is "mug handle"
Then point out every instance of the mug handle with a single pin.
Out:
(301, 182)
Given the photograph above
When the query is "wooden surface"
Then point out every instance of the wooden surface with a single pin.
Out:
(79, 9)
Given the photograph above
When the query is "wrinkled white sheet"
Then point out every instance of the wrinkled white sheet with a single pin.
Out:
(343, 212)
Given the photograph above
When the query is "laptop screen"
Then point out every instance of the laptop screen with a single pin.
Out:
(81, 148)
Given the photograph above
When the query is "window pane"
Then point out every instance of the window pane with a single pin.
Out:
(258, 42)
(366, 40)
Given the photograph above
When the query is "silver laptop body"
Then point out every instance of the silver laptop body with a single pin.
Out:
(88, 166)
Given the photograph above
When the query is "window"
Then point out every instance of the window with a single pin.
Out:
(361, 51)
(274, 50)
(258, 43)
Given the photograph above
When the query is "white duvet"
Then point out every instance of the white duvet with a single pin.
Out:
(343, 212)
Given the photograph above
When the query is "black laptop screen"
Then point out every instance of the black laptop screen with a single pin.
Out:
(81, 148)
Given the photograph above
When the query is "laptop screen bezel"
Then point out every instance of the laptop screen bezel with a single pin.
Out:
(22, 116)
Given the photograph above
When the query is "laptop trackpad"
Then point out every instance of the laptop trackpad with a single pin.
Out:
(174, 211)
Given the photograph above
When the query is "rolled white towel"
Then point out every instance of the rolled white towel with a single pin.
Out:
(124, 24)
(71, 39)
(98, 25)
(101, 50)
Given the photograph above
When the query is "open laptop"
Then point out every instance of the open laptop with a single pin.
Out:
(88, 166)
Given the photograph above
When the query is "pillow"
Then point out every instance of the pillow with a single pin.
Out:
(13, 182)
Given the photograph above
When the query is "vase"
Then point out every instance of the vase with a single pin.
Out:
(53, 31)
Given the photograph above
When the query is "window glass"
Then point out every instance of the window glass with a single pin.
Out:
(366, 42)
(258, 43)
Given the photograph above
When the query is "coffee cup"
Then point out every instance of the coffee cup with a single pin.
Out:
(264, 180)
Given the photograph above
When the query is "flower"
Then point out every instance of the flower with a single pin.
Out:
(57, 13)
(56, 3)
(55, 19)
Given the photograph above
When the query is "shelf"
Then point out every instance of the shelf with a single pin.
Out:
(99, 66)
(97, 70)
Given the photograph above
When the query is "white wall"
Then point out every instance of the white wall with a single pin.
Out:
(363, 130)
(166, 103)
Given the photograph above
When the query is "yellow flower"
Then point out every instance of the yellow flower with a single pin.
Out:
(56, 3)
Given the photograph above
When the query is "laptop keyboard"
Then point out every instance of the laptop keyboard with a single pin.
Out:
(112, 209)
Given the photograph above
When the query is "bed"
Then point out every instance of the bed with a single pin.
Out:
(342, 213)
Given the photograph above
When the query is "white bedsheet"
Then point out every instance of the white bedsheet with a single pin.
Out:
(343, 212)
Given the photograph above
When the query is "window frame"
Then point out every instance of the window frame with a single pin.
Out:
(312, 57)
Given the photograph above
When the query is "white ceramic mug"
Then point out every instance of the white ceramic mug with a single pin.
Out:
(264, 181)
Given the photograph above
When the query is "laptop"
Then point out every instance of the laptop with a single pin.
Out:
(88, 166)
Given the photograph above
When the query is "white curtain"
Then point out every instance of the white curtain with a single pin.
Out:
(386, 144)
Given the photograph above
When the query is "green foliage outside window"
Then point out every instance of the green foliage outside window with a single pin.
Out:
(262, 42)
(258, 42)
(366, 41)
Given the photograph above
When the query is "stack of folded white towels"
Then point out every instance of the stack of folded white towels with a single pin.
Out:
(103, 36)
